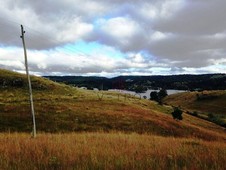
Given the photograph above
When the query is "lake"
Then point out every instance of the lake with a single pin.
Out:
(147, 93)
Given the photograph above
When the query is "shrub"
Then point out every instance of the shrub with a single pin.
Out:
(154, 96)
(158, 96)
(162, 93)
(177, 114)
(211, 116)
(195, 113)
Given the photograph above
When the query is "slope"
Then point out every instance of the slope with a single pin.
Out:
(209, 105)
(61, 108)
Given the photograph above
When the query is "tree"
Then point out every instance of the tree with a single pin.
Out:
(154, 96)
(158, 96)
(177, 114)
(161, 94)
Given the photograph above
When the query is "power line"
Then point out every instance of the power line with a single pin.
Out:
(35, 33)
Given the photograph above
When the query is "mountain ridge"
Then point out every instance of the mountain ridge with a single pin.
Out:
(179, 82)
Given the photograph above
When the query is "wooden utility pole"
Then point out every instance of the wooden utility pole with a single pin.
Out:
(29, 83)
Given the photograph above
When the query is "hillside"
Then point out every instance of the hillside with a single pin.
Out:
(61, 108)
(208, 105)
(141, 83)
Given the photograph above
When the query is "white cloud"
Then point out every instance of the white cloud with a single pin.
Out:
(149, 11)
(12, 64)
(73, 30)
(159, 9)
(121, 29)
(168, 8)
(56, 61)
(137, 58)
(158, 36)
(176, 35)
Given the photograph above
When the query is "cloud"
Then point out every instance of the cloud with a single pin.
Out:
(201, 17)
(164, 36)
(54, 23)
(119, 32)
(46, 26)
(119, 28)
(41, 62)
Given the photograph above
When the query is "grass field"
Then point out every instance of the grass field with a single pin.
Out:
(84, 129)
(209, 105)
(109, 151)
(60, 108)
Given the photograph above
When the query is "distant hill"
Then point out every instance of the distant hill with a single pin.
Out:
(179, 82)
(62, 108)
(209, 105)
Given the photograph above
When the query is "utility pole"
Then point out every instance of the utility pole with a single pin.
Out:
(29, 83)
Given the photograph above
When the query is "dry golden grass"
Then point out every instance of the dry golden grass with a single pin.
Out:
(108, 151)
(210, 101)
(66, 109)
(209, 105)
(61, 108)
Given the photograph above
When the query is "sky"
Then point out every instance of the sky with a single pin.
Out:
(114, 37)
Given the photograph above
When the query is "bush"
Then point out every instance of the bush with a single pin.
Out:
(177, 114)
(158, 96)
(154, 96)
(195, 113)
(216, 119)
(162, 93)
(211, 116)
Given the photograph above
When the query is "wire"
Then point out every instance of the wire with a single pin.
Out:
(45, 37)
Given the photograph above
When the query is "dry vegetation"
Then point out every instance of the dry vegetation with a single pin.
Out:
(109, 151)
(66, 110)
(206, 101)
(209, 105)
(115, 131)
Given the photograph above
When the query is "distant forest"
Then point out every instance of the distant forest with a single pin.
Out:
(142, 83)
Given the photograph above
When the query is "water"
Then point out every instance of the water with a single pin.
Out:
(169, 92)
(147, 93)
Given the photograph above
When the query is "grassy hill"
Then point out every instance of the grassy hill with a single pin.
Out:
(60, 108)
(208, 105)
(113, 131)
